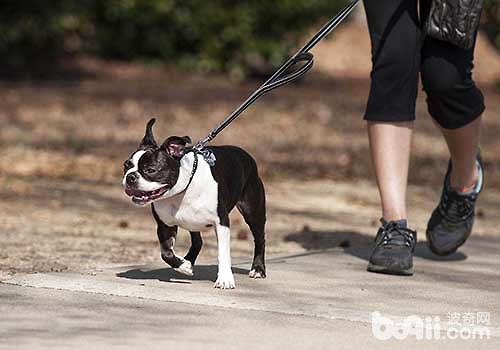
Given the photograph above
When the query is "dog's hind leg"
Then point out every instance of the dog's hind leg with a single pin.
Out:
(194, 250)
(252, 205)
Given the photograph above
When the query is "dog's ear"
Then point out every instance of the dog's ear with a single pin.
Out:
(148, 141)
(176, 145)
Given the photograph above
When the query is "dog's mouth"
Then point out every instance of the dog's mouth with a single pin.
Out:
(143, 197)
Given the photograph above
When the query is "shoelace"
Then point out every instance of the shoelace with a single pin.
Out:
(455, 207)
(394, 234)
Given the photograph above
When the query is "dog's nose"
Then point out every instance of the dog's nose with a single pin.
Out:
(132, 179)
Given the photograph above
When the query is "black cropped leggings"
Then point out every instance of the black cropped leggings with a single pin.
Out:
(453, 99)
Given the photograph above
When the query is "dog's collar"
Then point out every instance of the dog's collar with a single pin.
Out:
(193, 171)
(206, 153)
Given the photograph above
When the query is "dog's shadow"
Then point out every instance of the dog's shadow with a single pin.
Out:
(201, 273)
(353, 243)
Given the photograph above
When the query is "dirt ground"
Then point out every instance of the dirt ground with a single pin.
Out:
(63, 142)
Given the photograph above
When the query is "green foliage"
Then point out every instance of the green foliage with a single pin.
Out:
(33, 33)
(216, 35)
(492, 21)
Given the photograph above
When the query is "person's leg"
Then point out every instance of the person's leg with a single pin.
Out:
(463, 144)
(390, 111)
(454, 101)
(456, 104)
(390, 150)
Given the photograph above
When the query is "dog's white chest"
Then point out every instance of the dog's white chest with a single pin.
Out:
(196, 209)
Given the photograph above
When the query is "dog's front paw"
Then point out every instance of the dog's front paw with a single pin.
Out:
(225, 280)
(186, 268)
(254, 273)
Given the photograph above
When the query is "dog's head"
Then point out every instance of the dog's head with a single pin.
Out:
(153, 170)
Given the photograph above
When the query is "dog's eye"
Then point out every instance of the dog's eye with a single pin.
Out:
(128, 164)
(150, 171)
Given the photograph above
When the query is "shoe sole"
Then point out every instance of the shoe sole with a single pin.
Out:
(389, 271)
(433, 249)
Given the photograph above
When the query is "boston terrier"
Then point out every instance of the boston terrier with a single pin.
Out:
(185, 190)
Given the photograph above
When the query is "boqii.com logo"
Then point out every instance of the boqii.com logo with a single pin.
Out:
(466, 325)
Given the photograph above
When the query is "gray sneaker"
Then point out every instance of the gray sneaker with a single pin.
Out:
(394, 247)
(451, 222)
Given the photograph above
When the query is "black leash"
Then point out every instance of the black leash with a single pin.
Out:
(279, 78)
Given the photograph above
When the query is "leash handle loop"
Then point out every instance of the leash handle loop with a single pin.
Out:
(306, 57)
(279, 78)
(276, 80)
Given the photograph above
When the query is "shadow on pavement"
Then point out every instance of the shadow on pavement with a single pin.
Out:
(201, 272)
(356, 244)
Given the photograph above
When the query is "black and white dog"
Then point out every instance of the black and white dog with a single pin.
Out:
(184, 190)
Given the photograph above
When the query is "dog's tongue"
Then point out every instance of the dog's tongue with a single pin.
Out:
(129, 191)
(142, 197)
(133, 192)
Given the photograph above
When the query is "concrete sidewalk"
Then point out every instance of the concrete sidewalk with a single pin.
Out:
(319, 299)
